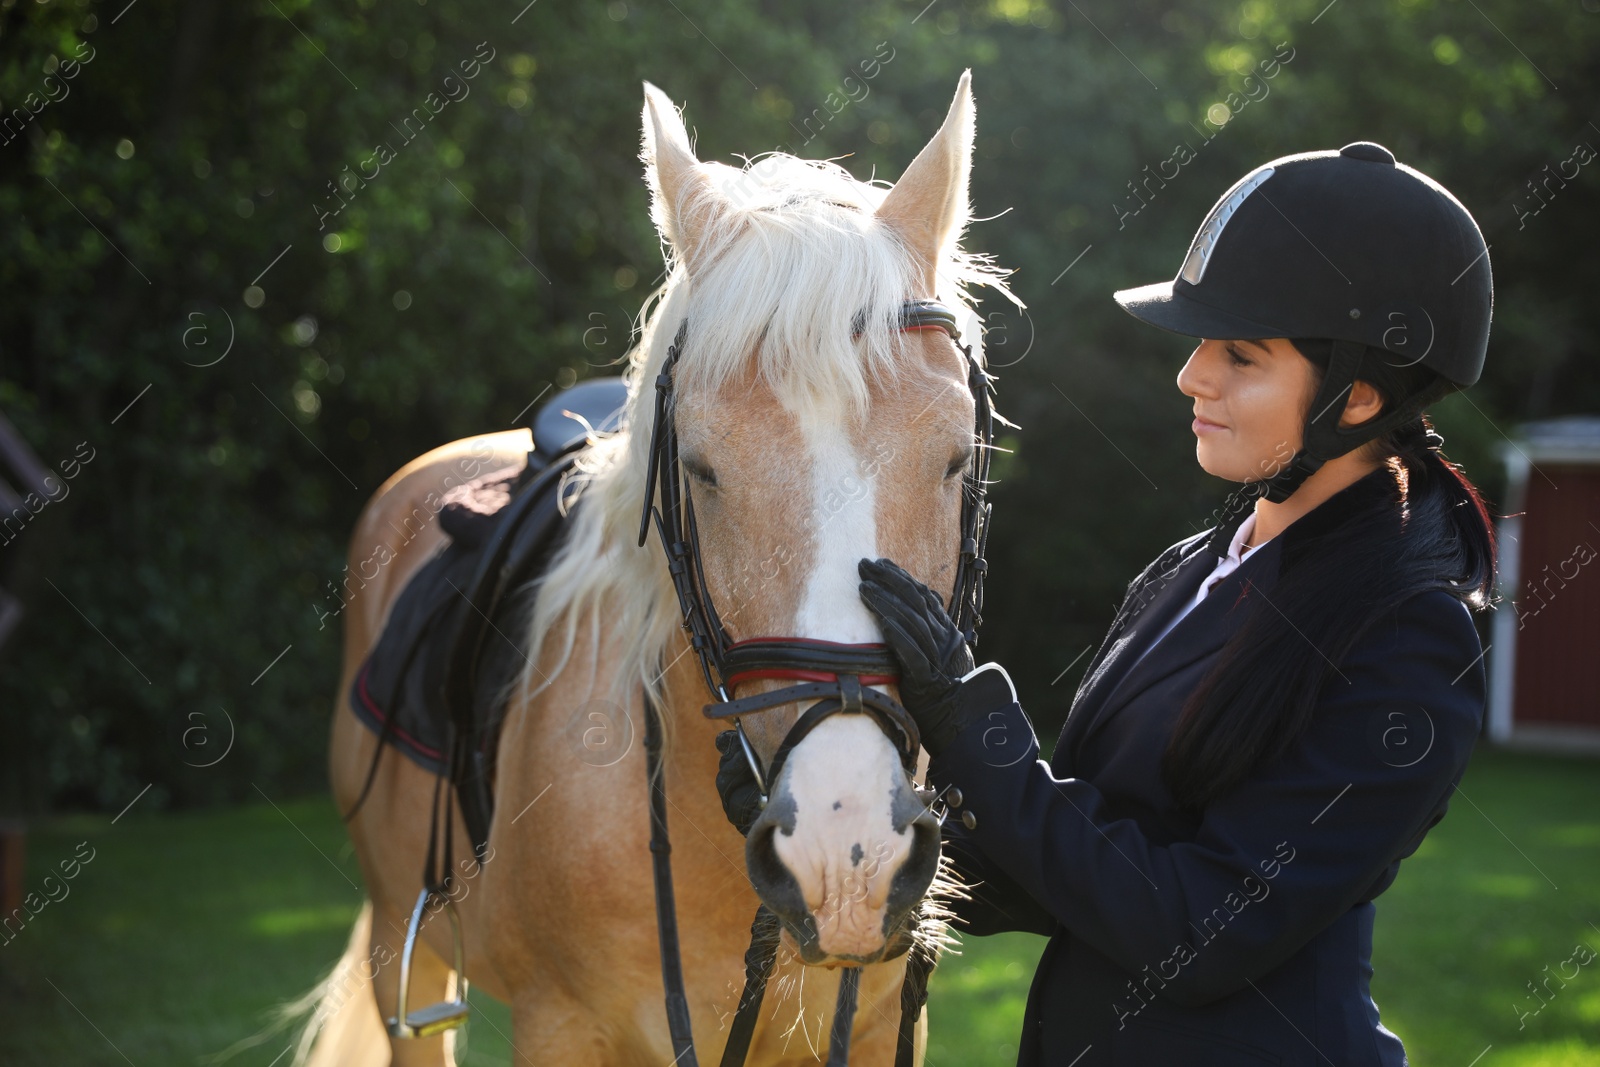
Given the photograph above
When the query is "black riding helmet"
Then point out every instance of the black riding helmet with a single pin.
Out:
(1372, 268)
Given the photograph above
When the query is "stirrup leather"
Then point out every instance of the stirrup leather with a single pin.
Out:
(436, 1018)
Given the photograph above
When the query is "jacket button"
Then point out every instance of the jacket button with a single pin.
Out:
(954, 797)
(969, 820)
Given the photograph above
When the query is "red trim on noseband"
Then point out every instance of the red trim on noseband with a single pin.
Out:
(806, 675)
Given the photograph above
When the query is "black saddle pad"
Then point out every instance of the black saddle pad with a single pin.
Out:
(463, 617)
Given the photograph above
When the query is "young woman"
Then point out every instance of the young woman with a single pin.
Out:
(1284, 702)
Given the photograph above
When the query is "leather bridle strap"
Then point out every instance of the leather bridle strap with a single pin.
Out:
(760, 961)
(791, 657)
(844, 1017)
(920, 962)
(847, 694)
(826, 670)
(678, 1023)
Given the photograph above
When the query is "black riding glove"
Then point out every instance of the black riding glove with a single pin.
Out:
(932, 654)
(736, 783)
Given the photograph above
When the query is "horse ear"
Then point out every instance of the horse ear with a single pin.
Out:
(928, 205)
(683, 202)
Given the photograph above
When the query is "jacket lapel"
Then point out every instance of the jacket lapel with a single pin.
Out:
(1199, 634)
(1149, 604)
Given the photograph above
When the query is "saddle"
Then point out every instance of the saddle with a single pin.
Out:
(436, 683)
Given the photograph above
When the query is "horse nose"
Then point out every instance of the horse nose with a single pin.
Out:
(839, 899)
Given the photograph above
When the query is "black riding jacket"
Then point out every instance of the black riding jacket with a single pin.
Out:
(1241, 934)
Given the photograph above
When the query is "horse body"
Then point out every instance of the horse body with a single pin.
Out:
(794, 483)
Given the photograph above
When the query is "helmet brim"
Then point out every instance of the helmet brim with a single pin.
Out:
(1164, 306)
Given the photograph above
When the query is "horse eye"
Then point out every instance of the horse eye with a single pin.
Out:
(702, 474)
(958, 464)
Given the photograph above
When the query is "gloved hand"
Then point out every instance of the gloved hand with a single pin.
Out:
(932, 654)
(736, 783)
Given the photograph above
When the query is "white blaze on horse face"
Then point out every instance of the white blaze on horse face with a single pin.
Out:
(843, 777)
(843, 526)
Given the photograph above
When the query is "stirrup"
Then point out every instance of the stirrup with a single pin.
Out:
(436, 1018)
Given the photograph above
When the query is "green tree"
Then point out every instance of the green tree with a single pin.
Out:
(387, 270)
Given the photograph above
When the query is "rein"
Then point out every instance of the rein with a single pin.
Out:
(837, 676)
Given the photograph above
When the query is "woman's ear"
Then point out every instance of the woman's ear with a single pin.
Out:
(1364, 403)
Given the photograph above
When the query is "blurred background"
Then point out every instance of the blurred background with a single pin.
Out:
(227, 315)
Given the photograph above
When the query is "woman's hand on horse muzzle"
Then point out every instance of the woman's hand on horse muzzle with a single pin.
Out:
(736, 783)
(931, 651)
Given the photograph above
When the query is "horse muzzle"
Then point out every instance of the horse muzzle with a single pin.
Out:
(844, 868)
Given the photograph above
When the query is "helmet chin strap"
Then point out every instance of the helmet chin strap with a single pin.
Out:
(1322, 439)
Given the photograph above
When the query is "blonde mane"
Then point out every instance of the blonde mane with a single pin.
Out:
(798, 257)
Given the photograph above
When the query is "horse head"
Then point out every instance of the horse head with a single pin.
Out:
(813, 429)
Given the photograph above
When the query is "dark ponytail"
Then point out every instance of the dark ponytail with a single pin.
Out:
(1437, 485)
(1414, 524)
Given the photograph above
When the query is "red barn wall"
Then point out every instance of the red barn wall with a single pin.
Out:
(1558, 600)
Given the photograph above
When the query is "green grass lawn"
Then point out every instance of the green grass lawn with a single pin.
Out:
(177, 939)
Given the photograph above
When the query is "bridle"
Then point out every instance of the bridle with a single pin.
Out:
(837, 676)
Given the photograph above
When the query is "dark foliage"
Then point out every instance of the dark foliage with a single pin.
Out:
(165, 205)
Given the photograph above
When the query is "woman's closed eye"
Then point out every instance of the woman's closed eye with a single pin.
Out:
(1237, 358)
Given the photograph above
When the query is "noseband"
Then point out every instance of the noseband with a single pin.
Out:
(839, 677)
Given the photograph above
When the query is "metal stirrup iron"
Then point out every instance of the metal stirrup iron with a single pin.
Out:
(435, 1018)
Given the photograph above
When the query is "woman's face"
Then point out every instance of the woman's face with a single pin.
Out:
(1250, 400)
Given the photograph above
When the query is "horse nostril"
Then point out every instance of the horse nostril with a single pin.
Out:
(911, 881)
(761, 856)
(773, 881)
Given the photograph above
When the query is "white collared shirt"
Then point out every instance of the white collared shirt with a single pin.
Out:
(1237, 554)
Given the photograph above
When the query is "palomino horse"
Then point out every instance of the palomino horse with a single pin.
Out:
(814, 432)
